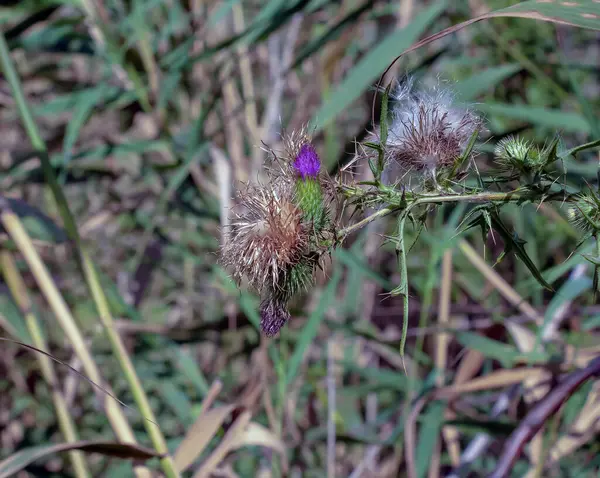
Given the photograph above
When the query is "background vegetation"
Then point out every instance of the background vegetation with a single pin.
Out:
(126, 127)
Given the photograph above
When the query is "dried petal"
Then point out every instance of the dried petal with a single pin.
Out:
(273, 316)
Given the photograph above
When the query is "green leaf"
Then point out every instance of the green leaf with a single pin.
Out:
(506, 354)
(381, 378)
(373, 64)
(570, 290)
(18, 461)
(83, 109)
(309, 332)
(358, 265)
(191, 370)
(11, 319)
(176, 399)
(590, 258)
(37, 224)
(383, 131)
(538, 116)
(513, 243)
(591, 323)
(428, 436)
(583, 13)
(219, 14)
(470, 88)
(334, 32)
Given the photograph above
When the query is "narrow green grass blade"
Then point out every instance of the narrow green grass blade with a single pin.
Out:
(309, 332)
(506, 354)
(333, 33)
(18, 461)
(429, 434)
(373, 64)
(470, 88)
(584, 13)
(81, 113)
(564, 120)
(11, 320)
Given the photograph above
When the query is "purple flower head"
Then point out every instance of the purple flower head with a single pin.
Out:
(307, 162)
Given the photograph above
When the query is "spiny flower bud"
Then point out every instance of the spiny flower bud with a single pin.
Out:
(309, 194)
(519, 154)
(427, 132)
(585, 213)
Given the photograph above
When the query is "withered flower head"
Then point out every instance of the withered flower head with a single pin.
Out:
(428, 131)
(273, 315)
(266, 238)
(285, 227)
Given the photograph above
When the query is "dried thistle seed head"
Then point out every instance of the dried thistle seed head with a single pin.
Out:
(428, 132)
(266, 239)
(294, 141)
(273, 315)
(585, 213)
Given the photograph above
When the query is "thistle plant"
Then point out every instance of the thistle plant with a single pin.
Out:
(282, 230)
(421, 158)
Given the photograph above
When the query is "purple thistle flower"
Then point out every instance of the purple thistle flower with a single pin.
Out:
(307, 162)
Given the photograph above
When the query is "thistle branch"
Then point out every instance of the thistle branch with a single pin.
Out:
(515, 196)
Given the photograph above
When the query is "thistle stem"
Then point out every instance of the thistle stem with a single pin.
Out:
(512, 196)
(597, 268)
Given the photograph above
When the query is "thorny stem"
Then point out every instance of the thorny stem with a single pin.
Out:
(512, 196)
(597, 268)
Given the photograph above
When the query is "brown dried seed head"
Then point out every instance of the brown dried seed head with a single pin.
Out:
(266, 239)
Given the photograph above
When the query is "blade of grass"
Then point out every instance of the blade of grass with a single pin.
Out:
(23, 458)
(67, 322)
(18, 290)
(90, 275)
(309, 332)
(373, 63)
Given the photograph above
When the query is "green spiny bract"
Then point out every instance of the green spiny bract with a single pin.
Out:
(309, 196)
(524, 157)
(585, 213)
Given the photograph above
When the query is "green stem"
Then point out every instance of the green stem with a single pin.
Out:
(511, 196)
(597, 269)
(86, 264)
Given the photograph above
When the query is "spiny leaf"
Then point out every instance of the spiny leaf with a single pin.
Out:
(514, 243)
